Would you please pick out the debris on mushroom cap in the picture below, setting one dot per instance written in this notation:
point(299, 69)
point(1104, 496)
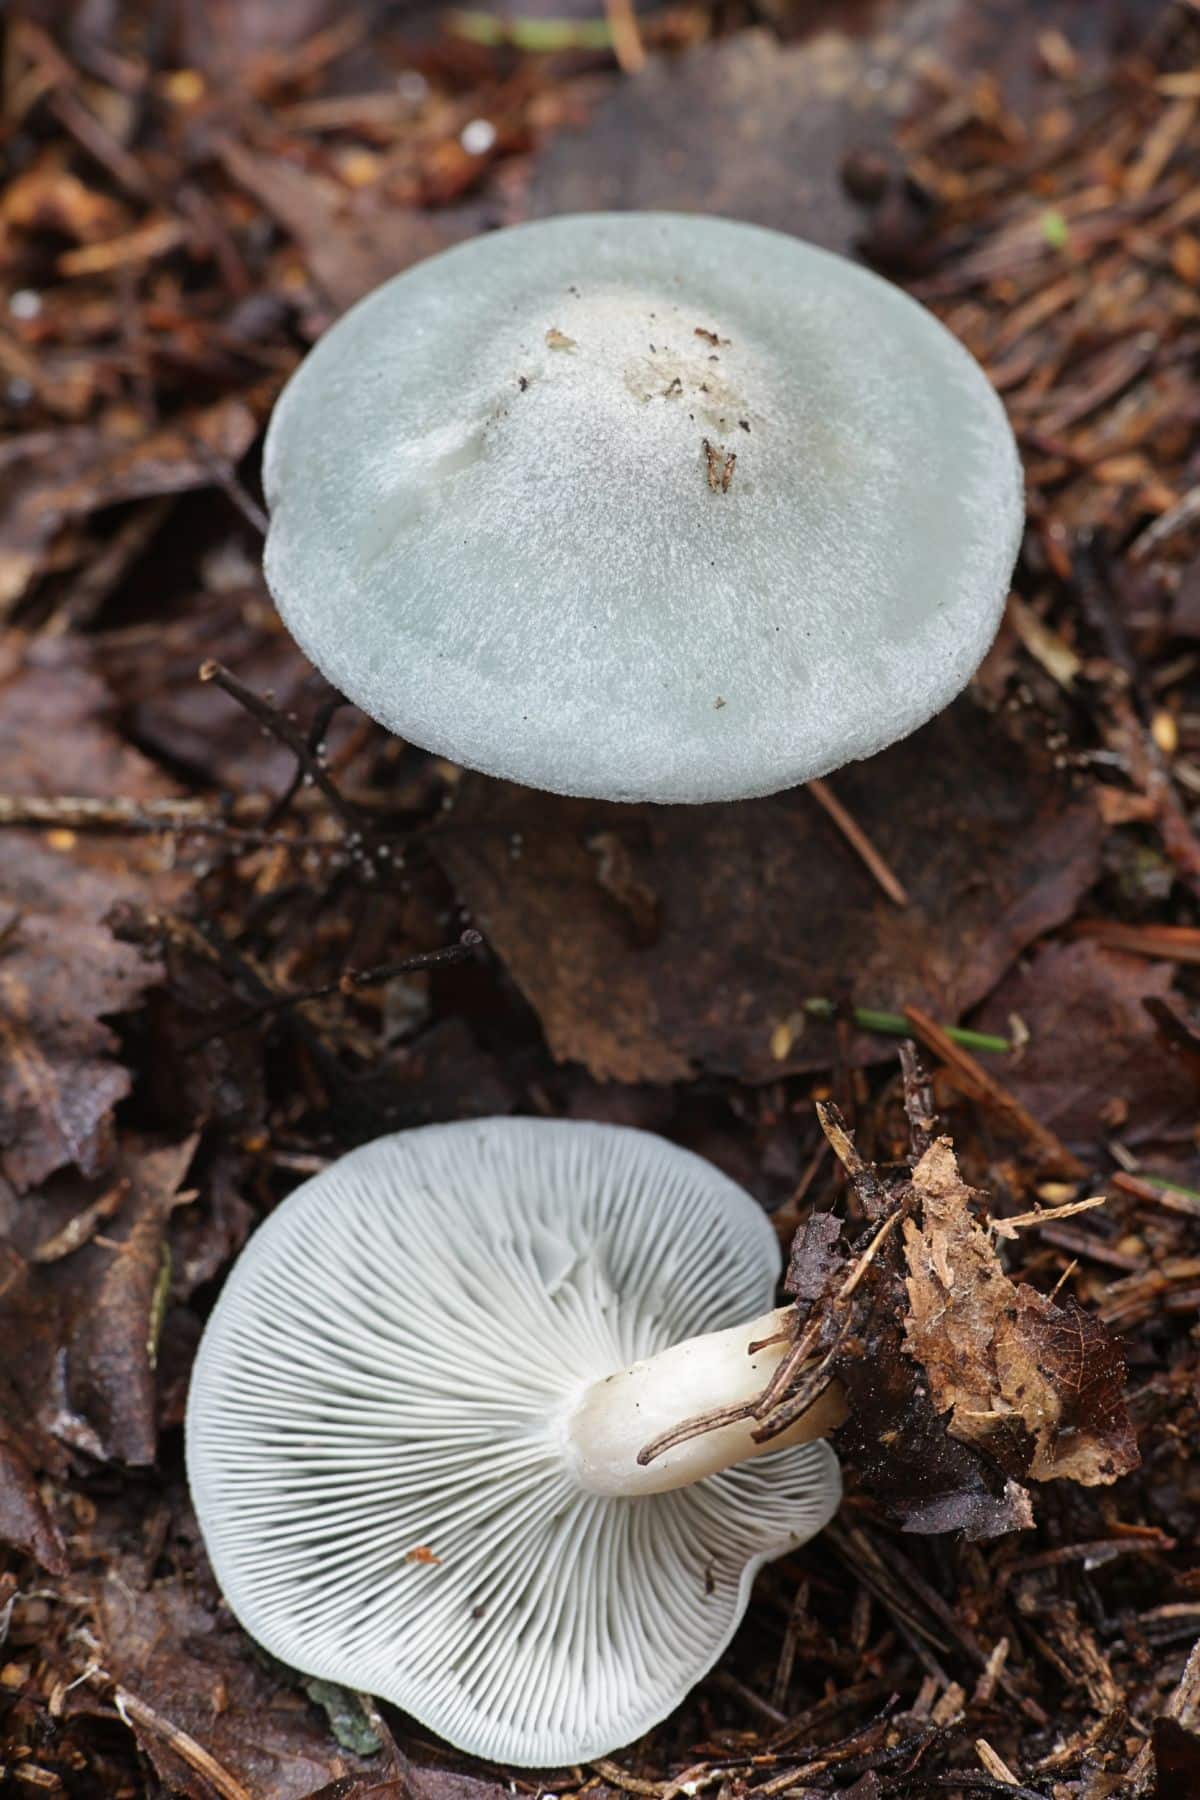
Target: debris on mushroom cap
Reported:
point(377, 1432)
point(541, 565)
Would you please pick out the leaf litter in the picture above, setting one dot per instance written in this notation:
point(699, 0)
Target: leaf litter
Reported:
point(220, 970)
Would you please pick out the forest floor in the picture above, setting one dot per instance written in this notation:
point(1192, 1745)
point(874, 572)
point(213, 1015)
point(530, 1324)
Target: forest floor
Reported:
point(187, 887)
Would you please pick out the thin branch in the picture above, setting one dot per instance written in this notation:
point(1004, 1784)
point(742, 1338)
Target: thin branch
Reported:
point(627, 44)
point(226, 478)
point(137, 1713)
point(346, 983)
point(985, 1087)
point(288, 733)
point(80, 812)
point(317, 733)
point(859, 842)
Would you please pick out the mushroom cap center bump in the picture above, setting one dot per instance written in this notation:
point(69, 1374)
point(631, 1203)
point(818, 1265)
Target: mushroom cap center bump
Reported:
point(643, 506)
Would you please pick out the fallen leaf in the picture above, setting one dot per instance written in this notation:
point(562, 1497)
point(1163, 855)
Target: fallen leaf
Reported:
point(61, 969)
point(740, 127)
point(169, 1642)
point(82, 1332)
point(1038, 1385)
point(901, 1449)
point(348, 251)
point(54, 478)
point(817, 1258)
point(25, 1523)
point(1076, 994)
point(112, 1349)
point(1176, 1761)
point(761, 905)
point(193, 723)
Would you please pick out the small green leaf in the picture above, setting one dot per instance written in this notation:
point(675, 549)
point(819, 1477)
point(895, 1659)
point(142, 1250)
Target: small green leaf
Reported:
point(1055, 229)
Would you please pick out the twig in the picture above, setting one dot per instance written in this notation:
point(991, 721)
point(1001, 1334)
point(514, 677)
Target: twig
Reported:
point(869, 1188)
point(317, 733)
point(1159, 1192)
point(1054, 1153)
point(136, 1712)
point(346, 983)
point(630, 1784)
point(1172, 943)
point(627, 44)
point(226, 479)
point(290, 734)
point(1009, 1227)
point(79, 812)
point(859, 842)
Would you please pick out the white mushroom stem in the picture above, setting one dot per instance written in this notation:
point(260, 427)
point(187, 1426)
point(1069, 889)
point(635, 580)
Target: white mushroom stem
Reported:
point(619, 1416)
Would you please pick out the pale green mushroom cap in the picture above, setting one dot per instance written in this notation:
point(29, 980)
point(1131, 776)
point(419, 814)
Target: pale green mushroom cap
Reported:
point(643, 506)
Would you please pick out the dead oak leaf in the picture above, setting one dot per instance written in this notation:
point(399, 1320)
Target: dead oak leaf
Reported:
point(1035, 1384)
point(81, 1332)
point(61, 969)
point(681, 956)
point(56, 478)
point(25, 1522)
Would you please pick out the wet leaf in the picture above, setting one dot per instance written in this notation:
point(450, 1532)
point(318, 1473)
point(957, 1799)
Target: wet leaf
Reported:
point(762, 904)
point(817, 1258)
point(191, 723)
point(112, 1349)
point(902, 1449)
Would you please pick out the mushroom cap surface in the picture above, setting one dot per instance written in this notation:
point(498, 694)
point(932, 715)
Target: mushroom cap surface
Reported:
point(377, 1432)
point(643, 507)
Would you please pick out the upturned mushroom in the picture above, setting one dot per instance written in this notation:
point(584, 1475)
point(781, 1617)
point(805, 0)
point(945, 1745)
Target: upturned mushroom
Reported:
point(414, 1429)
point(643, 507)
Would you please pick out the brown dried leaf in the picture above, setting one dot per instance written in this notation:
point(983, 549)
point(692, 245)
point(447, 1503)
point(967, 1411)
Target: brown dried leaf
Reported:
point(348, 251)
point(25, 1523)
point(61, 969)
point(112, 1348)
point(166, 1642)
point(1176, 1761)
point(761, 904)
point(1076, 994)
point(196, 725)
point(52, 478)
point(817, 1259)
point(740, 117)
point(1036, 1385)
point(83, 1331)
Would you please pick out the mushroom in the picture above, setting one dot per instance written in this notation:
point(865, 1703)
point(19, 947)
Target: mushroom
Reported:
point(642, 507)
point(416, 1415)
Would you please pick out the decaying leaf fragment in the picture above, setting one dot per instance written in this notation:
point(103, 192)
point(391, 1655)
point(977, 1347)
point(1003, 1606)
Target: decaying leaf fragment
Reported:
point(958, 1384)
point(1036, 1383)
